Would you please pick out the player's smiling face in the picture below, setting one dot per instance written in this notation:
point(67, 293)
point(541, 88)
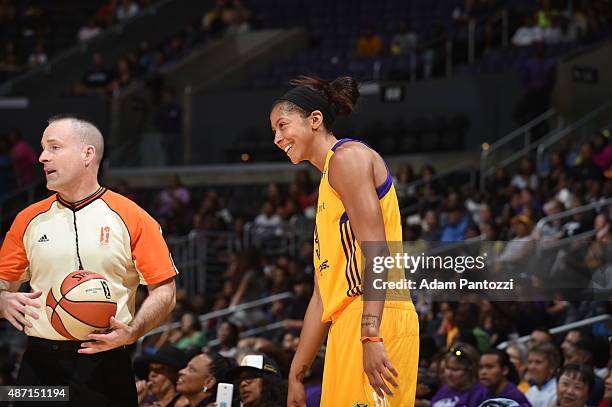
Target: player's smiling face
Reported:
point(292, 132)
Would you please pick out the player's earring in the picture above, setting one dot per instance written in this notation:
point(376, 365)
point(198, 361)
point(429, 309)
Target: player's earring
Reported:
point(205, 389)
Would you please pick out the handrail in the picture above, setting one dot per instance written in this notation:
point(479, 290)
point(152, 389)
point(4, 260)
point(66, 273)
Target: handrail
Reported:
point(254, 331)
point(571, 212)
point(554, 138)
point(455, 168)
point(522, 131)
point(216, 314)
point(560, 329)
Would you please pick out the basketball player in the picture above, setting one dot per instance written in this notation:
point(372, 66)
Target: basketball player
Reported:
point(83, 226)
point(372, 346)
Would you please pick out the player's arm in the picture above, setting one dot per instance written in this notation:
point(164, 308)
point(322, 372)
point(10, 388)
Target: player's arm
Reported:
point(351, 174)
point(311, 338)
point(153, 311)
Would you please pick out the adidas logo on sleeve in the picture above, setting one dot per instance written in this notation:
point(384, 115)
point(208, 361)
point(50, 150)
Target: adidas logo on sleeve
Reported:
point(43, 239)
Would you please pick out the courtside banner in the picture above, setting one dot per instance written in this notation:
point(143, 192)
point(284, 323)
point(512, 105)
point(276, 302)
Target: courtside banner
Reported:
point(516, 270)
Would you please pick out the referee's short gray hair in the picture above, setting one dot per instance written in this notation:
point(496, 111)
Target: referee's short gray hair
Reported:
point(85, 130)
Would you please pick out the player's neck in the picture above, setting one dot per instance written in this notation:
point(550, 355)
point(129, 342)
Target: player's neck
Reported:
point(500, 387)
point(81, 191)
point(320, 150)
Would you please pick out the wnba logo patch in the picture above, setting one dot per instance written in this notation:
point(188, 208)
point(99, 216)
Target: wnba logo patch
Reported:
point(104, 235)
point(360, 405)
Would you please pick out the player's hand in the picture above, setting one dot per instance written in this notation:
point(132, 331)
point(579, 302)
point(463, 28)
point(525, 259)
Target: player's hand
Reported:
point(296, 395)
point(378, 368)
point(15, 307)
point(121, 334)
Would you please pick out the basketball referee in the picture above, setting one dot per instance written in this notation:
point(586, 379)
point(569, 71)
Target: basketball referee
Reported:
point(84, 226)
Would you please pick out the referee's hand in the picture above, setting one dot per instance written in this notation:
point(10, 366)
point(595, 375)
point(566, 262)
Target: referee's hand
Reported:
point(15, 307)
point(121, 334)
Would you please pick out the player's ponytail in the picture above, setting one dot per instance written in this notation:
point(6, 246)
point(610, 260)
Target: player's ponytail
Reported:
point(342, 93)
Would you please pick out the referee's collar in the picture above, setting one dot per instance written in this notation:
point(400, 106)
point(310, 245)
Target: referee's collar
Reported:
point(75, 206)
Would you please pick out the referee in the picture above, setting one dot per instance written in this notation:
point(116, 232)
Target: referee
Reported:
point(83, 227)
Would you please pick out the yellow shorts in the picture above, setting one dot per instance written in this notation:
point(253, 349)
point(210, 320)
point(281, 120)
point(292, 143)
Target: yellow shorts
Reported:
point(345, 384)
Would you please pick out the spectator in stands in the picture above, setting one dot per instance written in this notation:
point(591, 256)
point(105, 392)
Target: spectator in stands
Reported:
point(404, 176)
point(461, 386)
point(107, 13)
point(212, 22)
point(538, 337)
point(171, 203)
point(602, 156)
point(607, 399)
point(405, 41)
point(574, 385)
point(517, 353)
point(520, 248)
point(466, 320)
point(551, 230)
point(127, 9)
point(456, 224)
point(89, 30)
point(198, 381)
point(268, 223)
point(526, 176)
point(581, 352)
point(237, 17)
point(96, 80)
point(499, 376)
point(7, 175)
point(259, 382)
point(369, 44)
point(170, 122)
point(542, 362)
point(227, 334)
point(123, 78)
point(190, 336)
point(38, 56)
point(8, 59)
point(585, 168)
point(161, 372)
point(430, 226)
point(527, 34)
point(24, 158)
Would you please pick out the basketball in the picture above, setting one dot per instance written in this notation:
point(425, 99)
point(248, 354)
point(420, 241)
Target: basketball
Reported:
point(81, 304)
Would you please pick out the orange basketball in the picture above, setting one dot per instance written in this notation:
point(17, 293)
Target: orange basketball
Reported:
point(83, 303)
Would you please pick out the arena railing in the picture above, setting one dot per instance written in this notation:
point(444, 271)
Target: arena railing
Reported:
point(218, 314)
point(594, 206)
point(561, 329)
point(200, 257)
point(579, 131)
point(453, 171)
point(518, 141)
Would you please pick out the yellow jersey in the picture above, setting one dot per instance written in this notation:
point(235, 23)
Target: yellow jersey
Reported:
point(337, 254)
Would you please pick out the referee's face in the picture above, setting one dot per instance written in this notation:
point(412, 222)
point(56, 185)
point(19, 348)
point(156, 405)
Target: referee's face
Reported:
point(62, 156)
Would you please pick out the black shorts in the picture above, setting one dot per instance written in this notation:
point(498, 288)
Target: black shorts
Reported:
point(101, 379)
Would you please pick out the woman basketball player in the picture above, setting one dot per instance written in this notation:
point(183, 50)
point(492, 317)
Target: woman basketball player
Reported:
point(372, 346)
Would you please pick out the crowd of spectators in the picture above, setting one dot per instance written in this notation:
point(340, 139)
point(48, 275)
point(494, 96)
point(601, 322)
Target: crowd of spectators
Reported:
point(29, 36)
point(18, 161)
point(459, 360)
